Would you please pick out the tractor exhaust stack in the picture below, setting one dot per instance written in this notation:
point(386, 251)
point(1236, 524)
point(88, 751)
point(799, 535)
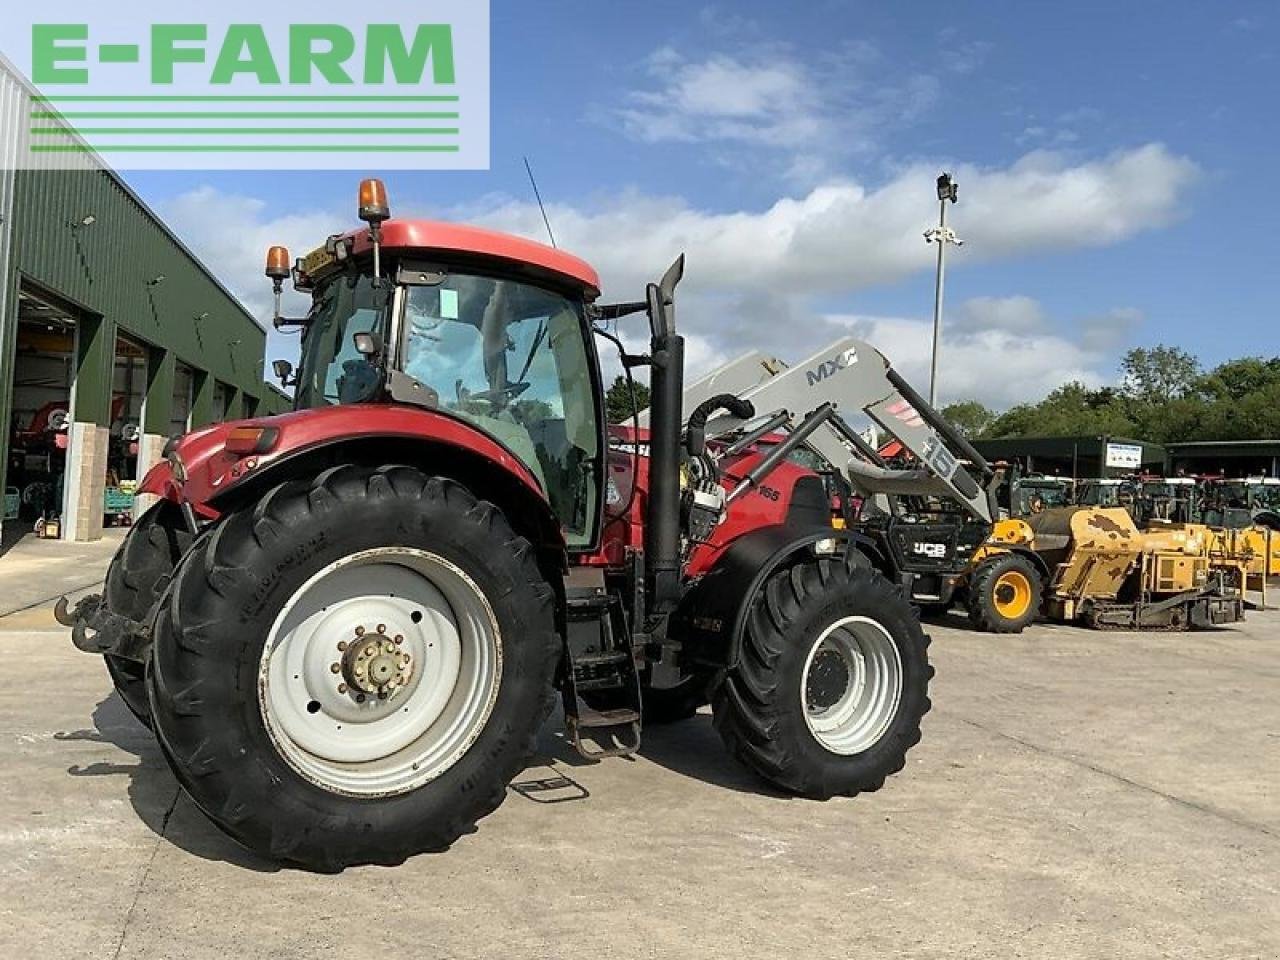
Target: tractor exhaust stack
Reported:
point(662, 532)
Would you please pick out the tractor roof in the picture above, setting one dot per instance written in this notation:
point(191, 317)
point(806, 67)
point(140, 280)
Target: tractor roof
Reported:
point(459, 238)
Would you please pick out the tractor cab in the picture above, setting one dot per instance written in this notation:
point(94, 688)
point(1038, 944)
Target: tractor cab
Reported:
point(1238, 504)
point(473, 325)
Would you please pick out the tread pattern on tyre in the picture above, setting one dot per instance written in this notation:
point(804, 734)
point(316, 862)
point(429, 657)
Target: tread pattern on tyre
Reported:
point(136, 579)
point(980, 600)
point(203, 681)
point(758, 710)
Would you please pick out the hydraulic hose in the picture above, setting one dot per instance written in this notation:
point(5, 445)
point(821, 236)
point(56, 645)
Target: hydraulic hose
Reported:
point(696, 431)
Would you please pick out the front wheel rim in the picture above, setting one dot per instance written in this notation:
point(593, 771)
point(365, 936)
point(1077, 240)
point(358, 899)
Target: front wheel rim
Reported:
point(852, 685)
point(380, 672)
point(1012, 593)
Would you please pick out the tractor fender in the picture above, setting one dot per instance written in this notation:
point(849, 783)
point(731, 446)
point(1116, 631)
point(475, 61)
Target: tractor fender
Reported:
point(463, 454)
point(712, 615)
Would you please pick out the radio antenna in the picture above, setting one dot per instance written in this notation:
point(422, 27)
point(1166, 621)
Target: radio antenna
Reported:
point(538, 196)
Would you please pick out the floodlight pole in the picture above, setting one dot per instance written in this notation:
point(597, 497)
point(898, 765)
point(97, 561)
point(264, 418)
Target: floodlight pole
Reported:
point(943, 236)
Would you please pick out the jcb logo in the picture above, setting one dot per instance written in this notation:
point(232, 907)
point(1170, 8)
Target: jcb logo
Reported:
point(935, 551)
point(828, 367)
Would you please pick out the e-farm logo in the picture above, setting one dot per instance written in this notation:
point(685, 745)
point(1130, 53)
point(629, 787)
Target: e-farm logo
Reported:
point(409, 89)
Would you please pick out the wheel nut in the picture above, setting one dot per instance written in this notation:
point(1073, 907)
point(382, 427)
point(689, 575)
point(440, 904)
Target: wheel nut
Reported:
point(335, 668)
point(342, 645)
point(342, 688)
point(382, 628)
point(360, 698)
point(359, 631)
point(399, 639)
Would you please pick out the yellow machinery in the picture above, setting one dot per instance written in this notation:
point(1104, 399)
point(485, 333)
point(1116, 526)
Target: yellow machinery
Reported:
point(1107, 573)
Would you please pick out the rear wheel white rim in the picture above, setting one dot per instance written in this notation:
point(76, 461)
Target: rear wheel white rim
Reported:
point(443, 668)
point(851, 685)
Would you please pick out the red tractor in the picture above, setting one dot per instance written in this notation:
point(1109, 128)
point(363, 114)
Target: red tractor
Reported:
point(346, 624)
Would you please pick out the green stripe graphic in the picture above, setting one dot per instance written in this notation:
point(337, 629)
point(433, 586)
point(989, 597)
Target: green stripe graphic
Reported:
point(224, 115)
point(266, 131)
point(264, 98)
point(243, 148)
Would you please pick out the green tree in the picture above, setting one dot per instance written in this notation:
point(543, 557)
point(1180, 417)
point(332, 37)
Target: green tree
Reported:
point(1237, 379)
point(1158, 374)
point(617, 399)
point(1071, 410)
point(969, 417)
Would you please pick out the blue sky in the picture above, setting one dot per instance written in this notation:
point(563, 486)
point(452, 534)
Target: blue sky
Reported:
point(1115, 163)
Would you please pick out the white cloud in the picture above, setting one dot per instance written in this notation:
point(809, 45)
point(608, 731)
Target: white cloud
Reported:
point(1016, 314)
point(1108, 330)
point(811, 109)
point(844, 236)
point(754, 277)
point(998, 367)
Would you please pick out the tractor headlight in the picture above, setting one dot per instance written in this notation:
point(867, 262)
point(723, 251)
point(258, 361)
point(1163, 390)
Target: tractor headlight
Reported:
point(824, 547)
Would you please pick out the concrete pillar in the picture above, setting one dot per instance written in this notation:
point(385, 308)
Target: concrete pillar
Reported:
point(149, 447)
point(85, 483)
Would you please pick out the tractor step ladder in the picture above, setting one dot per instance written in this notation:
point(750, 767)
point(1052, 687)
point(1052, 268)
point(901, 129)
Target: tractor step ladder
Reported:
point(599, 662)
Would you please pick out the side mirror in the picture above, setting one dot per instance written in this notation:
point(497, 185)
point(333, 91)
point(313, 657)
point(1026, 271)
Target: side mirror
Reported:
point(368, 345)
point(282, 369)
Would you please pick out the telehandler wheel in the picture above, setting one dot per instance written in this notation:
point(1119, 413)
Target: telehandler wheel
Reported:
point(136, 578)
point(1004, 594)
point(831, 684)
point(352, 670)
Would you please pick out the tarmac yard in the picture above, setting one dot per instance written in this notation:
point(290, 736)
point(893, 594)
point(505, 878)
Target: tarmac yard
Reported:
point(1076, 794)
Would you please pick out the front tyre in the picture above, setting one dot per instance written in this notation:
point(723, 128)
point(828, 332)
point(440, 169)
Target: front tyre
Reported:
point(831, 683)
point(353, 670)
point(1005, 593)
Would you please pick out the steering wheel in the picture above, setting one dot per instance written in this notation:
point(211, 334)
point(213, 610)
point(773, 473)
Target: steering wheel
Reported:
point(499, 398)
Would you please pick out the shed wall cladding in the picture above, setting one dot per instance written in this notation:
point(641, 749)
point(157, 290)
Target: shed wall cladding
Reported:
point(13, 98)
point(113, 269)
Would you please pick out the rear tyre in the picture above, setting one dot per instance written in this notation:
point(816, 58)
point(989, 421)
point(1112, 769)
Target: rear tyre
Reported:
point(138, 575)
point(353, 670)
point(1004, 594)
point(831, 683)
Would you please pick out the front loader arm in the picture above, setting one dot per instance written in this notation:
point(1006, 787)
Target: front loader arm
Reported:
point(852, 376)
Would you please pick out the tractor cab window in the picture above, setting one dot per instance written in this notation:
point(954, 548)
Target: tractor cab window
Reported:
point(333, 372)
point(511, 359)
point(1264, 496)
